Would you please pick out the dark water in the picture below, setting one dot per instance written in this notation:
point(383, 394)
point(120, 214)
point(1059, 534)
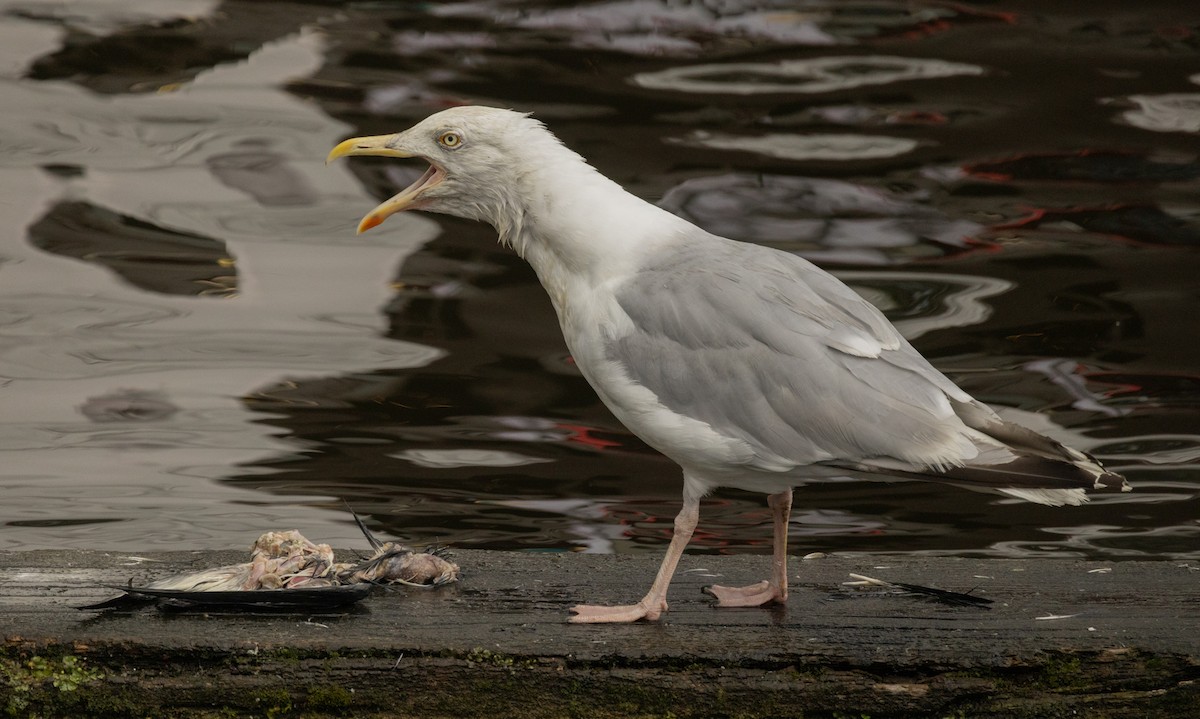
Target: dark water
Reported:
point(195, 347)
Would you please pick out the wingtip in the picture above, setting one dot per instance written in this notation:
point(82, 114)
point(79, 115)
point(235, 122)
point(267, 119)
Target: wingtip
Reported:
point(1108, 481)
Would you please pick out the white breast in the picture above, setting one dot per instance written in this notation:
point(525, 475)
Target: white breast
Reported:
point(591, 318)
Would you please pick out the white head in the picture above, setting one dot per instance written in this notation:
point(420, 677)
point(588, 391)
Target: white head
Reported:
point(479, 157)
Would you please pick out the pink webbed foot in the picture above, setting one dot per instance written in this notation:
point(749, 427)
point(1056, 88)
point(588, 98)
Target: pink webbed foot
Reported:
point(655, 602)
point(594, 614)
point(755, 595)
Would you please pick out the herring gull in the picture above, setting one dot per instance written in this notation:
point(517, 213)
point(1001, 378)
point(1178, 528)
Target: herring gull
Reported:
point(750, 367)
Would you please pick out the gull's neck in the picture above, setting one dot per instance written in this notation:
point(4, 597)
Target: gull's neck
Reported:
point(574, 225)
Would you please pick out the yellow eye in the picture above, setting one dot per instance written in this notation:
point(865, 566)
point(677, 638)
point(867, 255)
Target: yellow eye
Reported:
point(450, 139)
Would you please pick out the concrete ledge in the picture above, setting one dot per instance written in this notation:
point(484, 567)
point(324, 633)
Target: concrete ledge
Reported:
point(1127, 643)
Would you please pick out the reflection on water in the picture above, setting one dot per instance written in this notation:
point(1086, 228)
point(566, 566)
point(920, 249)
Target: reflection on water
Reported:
point(825, 220)
point(653, 27)
point(816, 75)
point(918, 303)
point(146, 255)
point(1177, 112)
point(194, 346)
point(806, 147)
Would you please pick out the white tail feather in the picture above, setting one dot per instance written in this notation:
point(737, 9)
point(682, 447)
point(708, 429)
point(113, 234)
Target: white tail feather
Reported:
point(1051, 497)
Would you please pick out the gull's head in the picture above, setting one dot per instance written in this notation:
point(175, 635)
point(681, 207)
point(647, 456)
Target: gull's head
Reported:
point(476, 155)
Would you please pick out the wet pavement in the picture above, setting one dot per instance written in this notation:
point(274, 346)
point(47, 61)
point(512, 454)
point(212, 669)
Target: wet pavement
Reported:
point(1060, 638)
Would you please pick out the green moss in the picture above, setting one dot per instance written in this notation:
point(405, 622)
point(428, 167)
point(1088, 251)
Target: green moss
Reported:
point(1063, 673)
point(1159, 666)
point(328, 697)
point(50, 681)
point(109, 700)
point(286, 655)
point(273, 702)
point(487, 657)
point(37, 684)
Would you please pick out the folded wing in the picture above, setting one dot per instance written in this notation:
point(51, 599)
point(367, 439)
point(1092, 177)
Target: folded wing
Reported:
point(766, 348)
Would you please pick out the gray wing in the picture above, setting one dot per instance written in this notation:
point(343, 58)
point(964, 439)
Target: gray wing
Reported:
point(767, 348)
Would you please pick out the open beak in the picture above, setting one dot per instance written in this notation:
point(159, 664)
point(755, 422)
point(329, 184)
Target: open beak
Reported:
point(406, 199)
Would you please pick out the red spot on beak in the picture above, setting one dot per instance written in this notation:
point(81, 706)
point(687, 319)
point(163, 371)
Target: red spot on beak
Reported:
point(368, 222)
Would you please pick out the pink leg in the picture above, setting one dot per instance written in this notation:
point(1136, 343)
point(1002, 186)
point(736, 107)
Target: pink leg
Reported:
point(774, 589)
point(655, 602)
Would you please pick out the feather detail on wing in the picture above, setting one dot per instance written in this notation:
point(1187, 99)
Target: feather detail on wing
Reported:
point(1016, 461)
point(770, 350)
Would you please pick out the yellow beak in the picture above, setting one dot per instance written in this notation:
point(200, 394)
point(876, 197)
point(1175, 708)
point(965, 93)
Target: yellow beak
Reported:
point(374, 145)
point(378, 145)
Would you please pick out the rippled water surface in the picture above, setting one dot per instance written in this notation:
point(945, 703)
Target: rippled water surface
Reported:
point(195, 346)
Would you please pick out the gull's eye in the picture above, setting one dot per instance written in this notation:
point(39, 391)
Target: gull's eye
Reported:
point(450, 139)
